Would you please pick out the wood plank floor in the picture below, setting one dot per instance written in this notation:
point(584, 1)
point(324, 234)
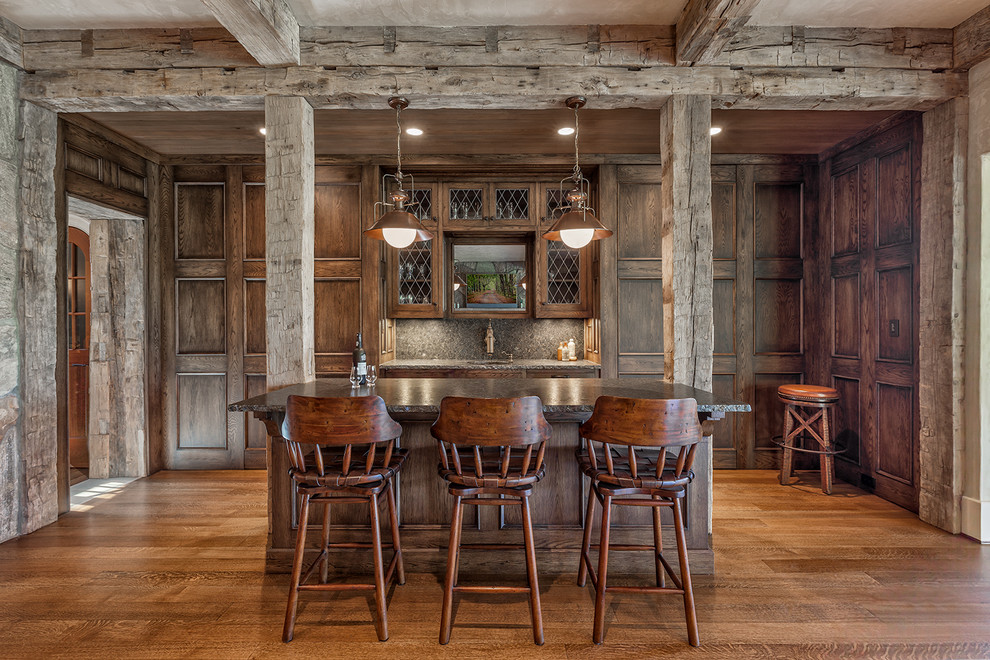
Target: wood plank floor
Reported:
point(172, 566)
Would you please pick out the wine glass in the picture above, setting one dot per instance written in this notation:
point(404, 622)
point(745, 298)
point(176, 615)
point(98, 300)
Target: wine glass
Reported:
point(372, 375)
point(354, 377)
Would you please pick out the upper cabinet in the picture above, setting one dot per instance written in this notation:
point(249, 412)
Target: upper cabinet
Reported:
point(415, 272)
point(563, 273)
point(499, 206)
point(556, 279)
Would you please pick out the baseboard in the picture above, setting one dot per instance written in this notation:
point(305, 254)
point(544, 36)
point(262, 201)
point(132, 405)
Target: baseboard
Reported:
point(976, 519)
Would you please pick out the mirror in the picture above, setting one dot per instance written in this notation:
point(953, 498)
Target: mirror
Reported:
point(489, 278)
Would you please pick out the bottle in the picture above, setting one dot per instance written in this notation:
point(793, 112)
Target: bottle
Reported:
point(571, 350)
point(560, 351)
point(360, 361)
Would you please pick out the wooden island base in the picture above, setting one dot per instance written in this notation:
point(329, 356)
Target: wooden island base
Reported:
point(558, 501)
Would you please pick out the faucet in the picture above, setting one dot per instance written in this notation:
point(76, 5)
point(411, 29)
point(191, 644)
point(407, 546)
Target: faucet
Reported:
point(489, 340)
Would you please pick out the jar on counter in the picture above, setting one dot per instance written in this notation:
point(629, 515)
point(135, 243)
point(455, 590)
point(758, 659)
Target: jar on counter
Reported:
point(571, 350)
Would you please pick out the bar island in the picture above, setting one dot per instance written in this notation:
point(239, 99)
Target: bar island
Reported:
point(424, 505)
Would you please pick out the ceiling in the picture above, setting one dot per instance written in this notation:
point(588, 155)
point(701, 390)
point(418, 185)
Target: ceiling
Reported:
point(193, 13)
point(628, 131)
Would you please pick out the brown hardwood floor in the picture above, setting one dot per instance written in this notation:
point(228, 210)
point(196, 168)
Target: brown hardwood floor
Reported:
point(173, 567)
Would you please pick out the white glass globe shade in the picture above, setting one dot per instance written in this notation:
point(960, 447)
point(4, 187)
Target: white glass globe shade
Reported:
point(400, 238)
point(575, 238)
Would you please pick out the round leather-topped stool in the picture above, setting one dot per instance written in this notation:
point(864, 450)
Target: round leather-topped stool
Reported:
point(806, 410)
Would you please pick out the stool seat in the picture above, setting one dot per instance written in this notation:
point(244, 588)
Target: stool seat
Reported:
point(808, 393)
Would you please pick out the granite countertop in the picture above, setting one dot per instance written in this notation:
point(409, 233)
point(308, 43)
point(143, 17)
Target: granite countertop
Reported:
point(563, 398)
point(482, 364)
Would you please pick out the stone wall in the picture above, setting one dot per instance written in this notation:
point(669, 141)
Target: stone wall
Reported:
point(464, 339)
point(10, 473)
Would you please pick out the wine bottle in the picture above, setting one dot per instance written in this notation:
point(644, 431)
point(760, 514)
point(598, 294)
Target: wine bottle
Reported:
point(360, 360)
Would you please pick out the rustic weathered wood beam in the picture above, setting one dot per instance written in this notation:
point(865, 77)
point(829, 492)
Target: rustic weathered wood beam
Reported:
point(289, 240)
point(266, 28)
point(788, 46)
point(38, 317)
point(492, 87)
point(972, 40)
point(942, 324)
point(706, 26)
point(11, 50)
point(686, 240)
point(133, 49)
point(567, 45)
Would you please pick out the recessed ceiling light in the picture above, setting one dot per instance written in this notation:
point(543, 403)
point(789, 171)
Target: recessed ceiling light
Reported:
point(414, 131)
point(263, 130)
point(566, 130)
point(715, 130)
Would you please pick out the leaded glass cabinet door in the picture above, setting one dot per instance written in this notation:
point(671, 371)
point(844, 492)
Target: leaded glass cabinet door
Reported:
point(465, 205)
point(415, 271)
point(564, 271)
point(512, 206)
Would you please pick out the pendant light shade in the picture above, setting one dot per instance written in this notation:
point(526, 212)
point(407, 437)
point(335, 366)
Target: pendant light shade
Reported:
point(397, 226)
point(578, 226)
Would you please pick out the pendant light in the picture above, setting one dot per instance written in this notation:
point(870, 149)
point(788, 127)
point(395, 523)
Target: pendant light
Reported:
point(578, 226)
point(397, 226)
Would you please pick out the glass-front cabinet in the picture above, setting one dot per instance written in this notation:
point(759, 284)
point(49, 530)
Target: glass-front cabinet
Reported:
point(564, 274)
point(542, 279)
point(488, 205)
point(416, 289)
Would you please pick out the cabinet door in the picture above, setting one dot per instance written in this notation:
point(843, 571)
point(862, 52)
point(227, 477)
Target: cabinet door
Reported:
point(563, 273)
point(513, 206)
point(465, 205)
point(415, 271)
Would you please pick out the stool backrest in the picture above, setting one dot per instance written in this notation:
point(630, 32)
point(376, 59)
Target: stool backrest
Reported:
point(466, 425)
point(364, 422)
point(662, 424)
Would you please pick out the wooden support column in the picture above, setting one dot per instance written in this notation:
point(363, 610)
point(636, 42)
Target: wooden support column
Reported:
point(38, 311)
point(289, 202)
point(941, 310)
point(686, 190)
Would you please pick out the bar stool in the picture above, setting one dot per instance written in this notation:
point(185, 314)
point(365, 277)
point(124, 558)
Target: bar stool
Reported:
point(819, 401)
point(487, 457)
point(343, 437)
point(624, 471)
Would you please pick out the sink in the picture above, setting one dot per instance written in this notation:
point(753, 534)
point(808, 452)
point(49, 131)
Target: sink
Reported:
point(489, 362)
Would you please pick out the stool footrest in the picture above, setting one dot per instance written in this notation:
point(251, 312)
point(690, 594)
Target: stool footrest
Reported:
point(835, 451)
point(491, 590)
point(490, 546)
point(643, 590)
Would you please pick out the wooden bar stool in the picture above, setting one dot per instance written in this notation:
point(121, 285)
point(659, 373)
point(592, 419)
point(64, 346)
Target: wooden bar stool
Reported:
point(819, 401)
point(645, 451)
point(487, 457)
point(342, 451)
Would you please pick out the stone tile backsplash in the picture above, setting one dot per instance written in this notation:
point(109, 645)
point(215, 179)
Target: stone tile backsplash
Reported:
point(464, 339)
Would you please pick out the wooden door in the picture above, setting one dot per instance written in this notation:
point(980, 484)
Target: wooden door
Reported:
point(872, 209)
point(77, 328)
point(760, 218)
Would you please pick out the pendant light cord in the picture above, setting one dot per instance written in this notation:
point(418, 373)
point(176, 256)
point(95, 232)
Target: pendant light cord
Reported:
point(577, 132)
point(398, 145)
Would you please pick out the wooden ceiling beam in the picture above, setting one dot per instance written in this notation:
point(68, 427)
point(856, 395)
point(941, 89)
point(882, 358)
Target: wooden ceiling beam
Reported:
point(706, 26)
point(266, 28)
point(492, 87)
point(972, 40)
point(569, 45)
point(11, 50)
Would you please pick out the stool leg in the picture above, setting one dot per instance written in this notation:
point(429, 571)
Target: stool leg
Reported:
point(598, 636)
point(586, 545)
point(534, 583)
point(785, 462)
point(446, 619)
point(393, 519)
point(297, 562)
point(682, 558)
point(325, 565)
point(381, 622)
point(827, 464)
point(658, 544)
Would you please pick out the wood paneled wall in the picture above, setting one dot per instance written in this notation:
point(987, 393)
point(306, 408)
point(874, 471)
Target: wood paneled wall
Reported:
point(216, 347)
point(871, 208)
point(761, 215)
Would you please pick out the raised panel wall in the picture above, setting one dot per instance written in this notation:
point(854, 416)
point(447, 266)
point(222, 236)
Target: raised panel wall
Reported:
point(872, 208)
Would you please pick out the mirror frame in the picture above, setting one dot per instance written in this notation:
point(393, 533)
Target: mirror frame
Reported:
point(454, 238)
